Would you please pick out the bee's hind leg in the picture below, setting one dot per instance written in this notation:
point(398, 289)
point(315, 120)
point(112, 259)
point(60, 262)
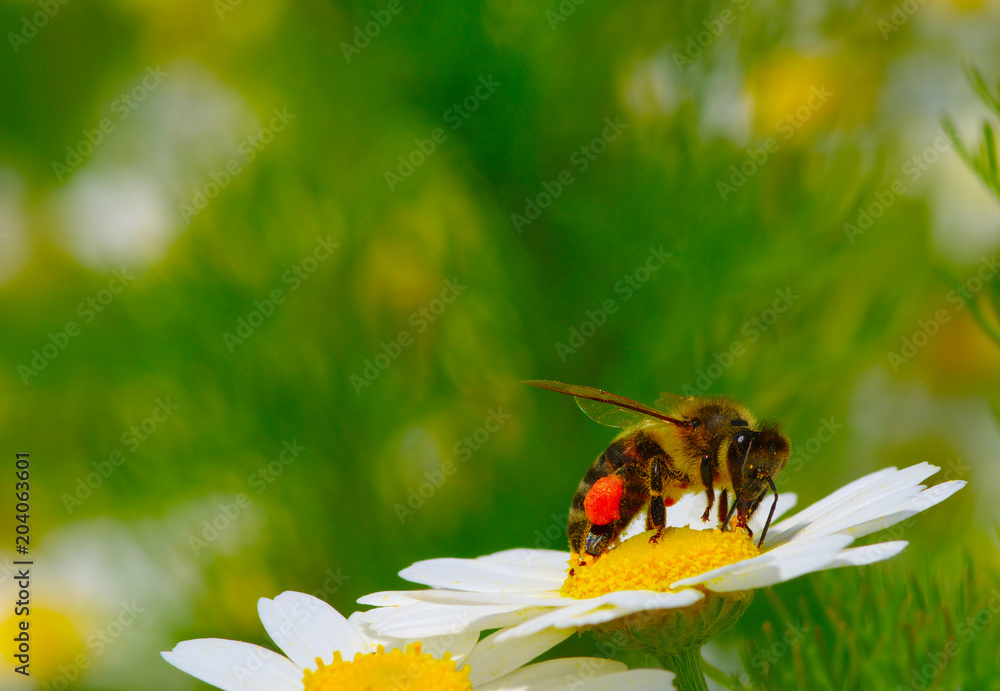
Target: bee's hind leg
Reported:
point(598, 539)
point(657, 517)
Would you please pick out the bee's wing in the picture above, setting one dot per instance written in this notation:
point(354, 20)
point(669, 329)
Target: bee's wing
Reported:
point(668, 401)
point(607, 408)
point(610, 414)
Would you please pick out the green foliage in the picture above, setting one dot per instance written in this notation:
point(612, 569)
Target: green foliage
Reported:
point(982, 159)
point(884, 627)
point(372, 492)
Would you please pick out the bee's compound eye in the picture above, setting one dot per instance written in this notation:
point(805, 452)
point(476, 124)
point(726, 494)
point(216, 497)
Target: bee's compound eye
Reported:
point(696, 422)
point(741, 442)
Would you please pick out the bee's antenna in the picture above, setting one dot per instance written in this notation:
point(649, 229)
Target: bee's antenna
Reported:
point(769, 515)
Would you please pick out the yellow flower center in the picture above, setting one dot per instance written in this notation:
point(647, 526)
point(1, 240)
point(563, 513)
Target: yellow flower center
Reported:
point(382, 671)
point(642, 564)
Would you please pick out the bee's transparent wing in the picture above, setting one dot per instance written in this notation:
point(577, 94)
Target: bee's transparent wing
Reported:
point(610, 414)
point(606, 408)
point(668, 401)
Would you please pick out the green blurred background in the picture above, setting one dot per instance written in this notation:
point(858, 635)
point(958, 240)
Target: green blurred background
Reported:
point(490, 227)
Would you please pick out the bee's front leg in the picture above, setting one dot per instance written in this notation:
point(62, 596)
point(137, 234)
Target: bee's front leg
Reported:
point(657, 517)
point(723, 507)
point(707, 478)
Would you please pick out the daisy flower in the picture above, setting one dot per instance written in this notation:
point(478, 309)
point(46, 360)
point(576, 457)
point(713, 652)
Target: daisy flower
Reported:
point(667, 596)
point(324, 651)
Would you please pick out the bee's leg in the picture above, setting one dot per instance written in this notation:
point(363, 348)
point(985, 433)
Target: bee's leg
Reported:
point(723, 506)
point(707, 478)
point(598, 539)
point(657, 517)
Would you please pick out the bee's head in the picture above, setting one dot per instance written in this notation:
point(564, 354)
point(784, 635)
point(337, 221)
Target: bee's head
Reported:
point(754, 457)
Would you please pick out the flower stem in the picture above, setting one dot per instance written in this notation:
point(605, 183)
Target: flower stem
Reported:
point(686, 665)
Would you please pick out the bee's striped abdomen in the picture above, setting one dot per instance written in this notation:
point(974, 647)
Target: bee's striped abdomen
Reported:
point(619, 454)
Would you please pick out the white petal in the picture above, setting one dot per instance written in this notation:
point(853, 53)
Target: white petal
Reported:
point(853, 512)
point(547, 675)
point(808, 514)
point(305, 627)
point(483, 575)
point(869, 554)
point(551, 598)
point(426, 619)
point(388, 598)
point(874, 487)
point(372, 639)
point(792, 550)
point(625, 602)
point(917, 504)
point(798, 558)
point(636, 526)
point(786, 501)
point(459, 644)
point(597, 610)
point(492, 658)
point(235, 666)
point(537, 558)
point(687, 512)
point(638, 679)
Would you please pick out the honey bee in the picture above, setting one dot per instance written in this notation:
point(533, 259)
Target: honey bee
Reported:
point(702, 444)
